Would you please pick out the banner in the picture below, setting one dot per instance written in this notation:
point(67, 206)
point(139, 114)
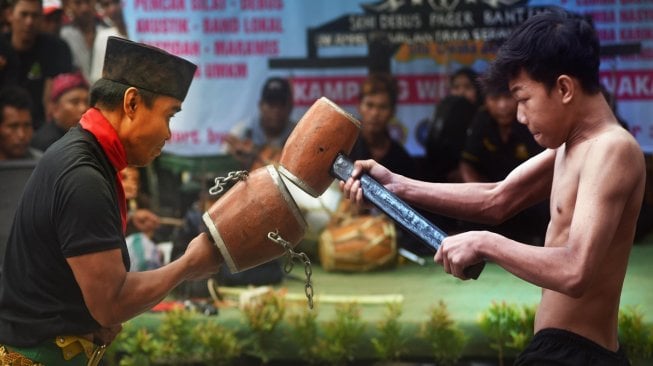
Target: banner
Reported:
point(322, 46)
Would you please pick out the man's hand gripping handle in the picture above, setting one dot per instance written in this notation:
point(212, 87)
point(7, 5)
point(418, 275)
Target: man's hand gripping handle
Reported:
point(398, 210)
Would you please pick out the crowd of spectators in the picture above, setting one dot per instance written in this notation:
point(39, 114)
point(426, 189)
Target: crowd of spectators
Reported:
point(41, 39)
point(51, 52)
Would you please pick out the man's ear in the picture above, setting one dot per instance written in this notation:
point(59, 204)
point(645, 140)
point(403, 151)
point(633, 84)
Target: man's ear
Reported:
point(130, 101)
point(566, 88)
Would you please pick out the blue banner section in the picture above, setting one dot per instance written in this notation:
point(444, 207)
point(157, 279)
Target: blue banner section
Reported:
point(322, 47)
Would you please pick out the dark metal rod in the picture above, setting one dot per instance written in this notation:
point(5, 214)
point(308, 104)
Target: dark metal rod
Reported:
point(398, 210)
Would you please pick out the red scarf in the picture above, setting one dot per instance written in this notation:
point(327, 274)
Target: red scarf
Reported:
point(94, 122)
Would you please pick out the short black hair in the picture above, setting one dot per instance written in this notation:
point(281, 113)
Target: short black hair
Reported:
point(380, 82)
point(109, 94)
point(14, 96)
point(547, 45)
point(473, 76)
point(277, 90)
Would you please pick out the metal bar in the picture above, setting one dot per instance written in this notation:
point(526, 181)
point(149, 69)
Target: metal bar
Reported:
point(398, 210)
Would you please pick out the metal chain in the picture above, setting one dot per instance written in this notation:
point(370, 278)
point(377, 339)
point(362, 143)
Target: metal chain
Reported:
point(288, 266)
point(221, 182)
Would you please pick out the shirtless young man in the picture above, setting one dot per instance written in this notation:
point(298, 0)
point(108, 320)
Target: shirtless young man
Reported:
point(592, 172)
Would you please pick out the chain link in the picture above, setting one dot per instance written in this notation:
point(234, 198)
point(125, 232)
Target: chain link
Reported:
point(221, 182)
point(288, 266)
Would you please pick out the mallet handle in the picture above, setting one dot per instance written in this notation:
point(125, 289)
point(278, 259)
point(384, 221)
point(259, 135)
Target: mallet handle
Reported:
point(398, 210)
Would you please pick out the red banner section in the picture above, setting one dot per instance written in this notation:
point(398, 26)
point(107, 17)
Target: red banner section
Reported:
point(423, 89)
point(345, 90)
point(630, 84)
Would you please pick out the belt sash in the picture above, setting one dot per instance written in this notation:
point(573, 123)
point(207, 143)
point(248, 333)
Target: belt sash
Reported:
point(69, 350)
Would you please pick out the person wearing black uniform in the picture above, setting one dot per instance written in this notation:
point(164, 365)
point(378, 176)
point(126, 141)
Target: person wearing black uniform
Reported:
point(497, 144)
point(376, 108)
point(66, 288)
point(41, 56)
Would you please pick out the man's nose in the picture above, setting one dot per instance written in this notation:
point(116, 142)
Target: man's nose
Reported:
point(521, 117)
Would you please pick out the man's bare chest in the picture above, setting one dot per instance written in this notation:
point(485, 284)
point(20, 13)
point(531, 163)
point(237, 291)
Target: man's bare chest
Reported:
point(564, 190)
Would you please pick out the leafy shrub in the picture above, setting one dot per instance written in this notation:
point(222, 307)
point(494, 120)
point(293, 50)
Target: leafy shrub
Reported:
point(217, 344)
point(176, 335)
point(136, 346)
point(304, 333)
point(447, 341)
point(341, 336)
point(263, 316)
point(634, 335)
point(508, 326)
point(389, 345)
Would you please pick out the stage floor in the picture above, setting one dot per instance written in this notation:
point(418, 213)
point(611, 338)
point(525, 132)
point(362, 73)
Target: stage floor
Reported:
point(421, 288)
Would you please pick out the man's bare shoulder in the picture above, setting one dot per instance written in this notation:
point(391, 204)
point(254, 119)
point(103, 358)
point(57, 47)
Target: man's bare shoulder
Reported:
point(620, 143)
point(613, 154)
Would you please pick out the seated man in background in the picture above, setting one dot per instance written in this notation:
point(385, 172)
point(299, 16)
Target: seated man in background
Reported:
point(69, 101)
point(496, 144)
point(376, 108)
point(140, 218)
point(16, 129)
point(464, 83)
point(446, 131)
point(258, 141)
point(141, 225)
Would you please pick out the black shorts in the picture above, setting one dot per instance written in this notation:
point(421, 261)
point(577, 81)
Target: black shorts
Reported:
point(561, 347)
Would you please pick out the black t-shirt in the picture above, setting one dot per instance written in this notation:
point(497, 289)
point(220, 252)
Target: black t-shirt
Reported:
point(9, 69)
point(397, 159)
point(492, 157)
point(49, 57)
point(446, 136)
point(69, 208)
point(47, 135)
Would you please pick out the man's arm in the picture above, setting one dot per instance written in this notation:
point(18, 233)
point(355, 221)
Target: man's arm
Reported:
point(598, 216)
point(490, 203)
point(114, 295)
point(610, 186)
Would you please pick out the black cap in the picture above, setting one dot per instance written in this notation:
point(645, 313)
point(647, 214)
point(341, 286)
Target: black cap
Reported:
point(276, 90)
point(147, 67)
